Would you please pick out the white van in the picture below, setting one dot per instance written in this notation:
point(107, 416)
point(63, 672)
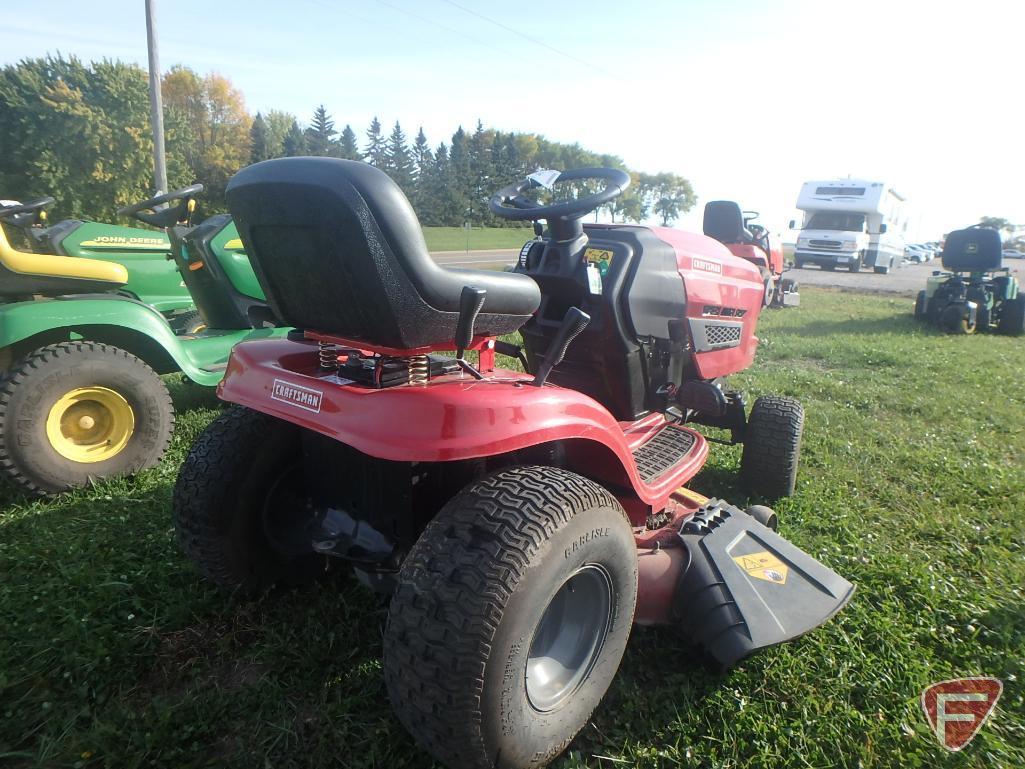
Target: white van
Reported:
point(850, 223)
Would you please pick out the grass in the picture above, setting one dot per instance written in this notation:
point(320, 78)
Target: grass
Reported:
point(476, 239)
point(113, 653)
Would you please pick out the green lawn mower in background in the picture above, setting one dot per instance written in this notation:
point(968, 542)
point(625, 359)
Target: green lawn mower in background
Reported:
point(976, 292)
point(152, 276)
point(80, 393)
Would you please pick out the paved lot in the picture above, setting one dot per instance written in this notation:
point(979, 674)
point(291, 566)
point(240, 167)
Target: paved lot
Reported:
point(905, 280)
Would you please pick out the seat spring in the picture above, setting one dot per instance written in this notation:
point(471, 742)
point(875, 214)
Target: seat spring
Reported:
point(419, 370)
point(328, 354)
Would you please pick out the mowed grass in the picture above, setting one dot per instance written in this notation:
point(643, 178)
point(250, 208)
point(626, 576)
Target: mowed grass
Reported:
point(476, 238)
point(113, 653)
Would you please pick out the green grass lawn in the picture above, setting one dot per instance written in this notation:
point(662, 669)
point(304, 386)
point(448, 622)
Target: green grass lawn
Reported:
point(113, 653)
point(479, 238)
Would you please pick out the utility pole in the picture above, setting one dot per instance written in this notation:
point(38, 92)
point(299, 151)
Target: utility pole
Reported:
point(156, 103)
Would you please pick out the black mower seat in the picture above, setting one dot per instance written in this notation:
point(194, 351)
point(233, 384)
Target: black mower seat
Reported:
point(975, 249)
point(724, 221)
point(25, 274)
point(338, 249)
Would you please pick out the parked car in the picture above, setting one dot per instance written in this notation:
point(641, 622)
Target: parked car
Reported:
point(1013, 253)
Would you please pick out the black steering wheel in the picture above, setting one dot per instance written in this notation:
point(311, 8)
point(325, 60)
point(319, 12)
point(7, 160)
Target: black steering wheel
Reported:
point(24, 214)
point(511, 203)
point(147, 210)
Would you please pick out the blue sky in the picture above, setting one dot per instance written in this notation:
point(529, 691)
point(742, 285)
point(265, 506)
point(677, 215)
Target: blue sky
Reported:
point(745, 98)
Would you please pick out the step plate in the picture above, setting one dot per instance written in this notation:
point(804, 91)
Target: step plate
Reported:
point(663, 452)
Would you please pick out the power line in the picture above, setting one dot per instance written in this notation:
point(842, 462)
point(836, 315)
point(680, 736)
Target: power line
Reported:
point(433, 23)
point(529, 38)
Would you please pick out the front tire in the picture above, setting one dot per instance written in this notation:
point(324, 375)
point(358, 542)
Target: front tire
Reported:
point(77, 411)
point(525, 567)
point(238, 501)
point(772, 446)
point(921, 303)
point(855, 266)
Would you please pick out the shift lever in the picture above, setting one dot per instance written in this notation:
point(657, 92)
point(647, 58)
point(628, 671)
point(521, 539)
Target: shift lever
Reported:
point(471, 300)
point(573, 322)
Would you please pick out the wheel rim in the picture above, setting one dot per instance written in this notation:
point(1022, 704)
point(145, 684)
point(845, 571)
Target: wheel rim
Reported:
point(90, 424)
point(569, 637)
point(286, 514)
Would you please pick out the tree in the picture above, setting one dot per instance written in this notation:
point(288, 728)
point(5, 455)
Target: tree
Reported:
point(667, 195)
point(347, 147)
point(376, 152)
point(398, 162)
point(294, 144)
point(997, 223)
point(318, 135)
point(218, 123)
point(81, 133)
point(278, 124)
point(442, 205)
point(258, 140)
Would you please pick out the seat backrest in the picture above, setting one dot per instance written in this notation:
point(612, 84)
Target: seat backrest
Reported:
point(724, 221)
point(337, 248)
point(975, 249)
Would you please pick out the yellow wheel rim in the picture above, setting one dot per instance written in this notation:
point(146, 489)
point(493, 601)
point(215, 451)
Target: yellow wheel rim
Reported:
point(90, 424)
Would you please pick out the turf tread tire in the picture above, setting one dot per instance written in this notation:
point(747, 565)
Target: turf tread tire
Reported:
point(213, 485)
point(35, 363)
point(772, 446)
point(453, 592)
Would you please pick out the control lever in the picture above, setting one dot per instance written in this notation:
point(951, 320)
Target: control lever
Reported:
point(573, 322)
point(471, 300)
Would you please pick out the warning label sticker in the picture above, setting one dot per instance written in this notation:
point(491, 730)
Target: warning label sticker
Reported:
point(763, 565)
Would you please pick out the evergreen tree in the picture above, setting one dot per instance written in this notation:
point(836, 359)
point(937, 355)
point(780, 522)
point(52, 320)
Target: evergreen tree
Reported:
point(318, 135)
point(258, 140)
point(294, 144)
point(442, 205)
point(376, 152)
point(459, 172)
point(399, 164)
point(422, 158)
point(347, 147)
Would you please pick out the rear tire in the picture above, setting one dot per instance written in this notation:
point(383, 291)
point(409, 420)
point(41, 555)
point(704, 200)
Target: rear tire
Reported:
point(77, 411)
point(1012, 317)
point(881, 270)
point(481, 603)
point(244, 468)
point(772, 446)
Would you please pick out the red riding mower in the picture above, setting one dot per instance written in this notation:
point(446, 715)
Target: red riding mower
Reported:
point(737, 230)
point(519, 522)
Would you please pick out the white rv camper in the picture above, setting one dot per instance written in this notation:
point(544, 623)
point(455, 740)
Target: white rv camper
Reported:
point(850, 223)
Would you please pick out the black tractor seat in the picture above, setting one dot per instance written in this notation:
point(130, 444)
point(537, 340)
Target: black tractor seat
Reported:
point(724, 221)
point(338, 249)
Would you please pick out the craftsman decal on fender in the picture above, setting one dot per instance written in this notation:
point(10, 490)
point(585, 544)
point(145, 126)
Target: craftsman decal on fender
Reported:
point(297, 395)
point(705, 265)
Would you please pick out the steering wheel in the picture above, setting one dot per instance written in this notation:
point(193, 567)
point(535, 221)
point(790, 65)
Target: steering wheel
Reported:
point(510, 202)
point(167, 197)
point(20, 210)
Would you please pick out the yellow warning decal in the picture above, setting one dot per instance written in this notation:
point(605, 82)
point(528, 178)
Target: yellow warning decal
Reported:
point(235, 244)
point(763, 565)
point(599, 257)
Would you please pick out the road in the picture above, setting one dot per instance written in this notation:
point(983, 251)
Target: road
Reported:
point(905, 280)
point(499, 258)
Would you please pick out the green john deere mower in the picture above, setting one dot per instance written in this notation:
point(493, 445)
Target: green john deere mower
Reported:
point(80, 393)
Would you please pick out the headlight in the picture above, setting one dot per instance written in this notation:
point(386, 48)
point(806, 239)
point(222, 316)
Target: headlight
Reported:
point(849, 246)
